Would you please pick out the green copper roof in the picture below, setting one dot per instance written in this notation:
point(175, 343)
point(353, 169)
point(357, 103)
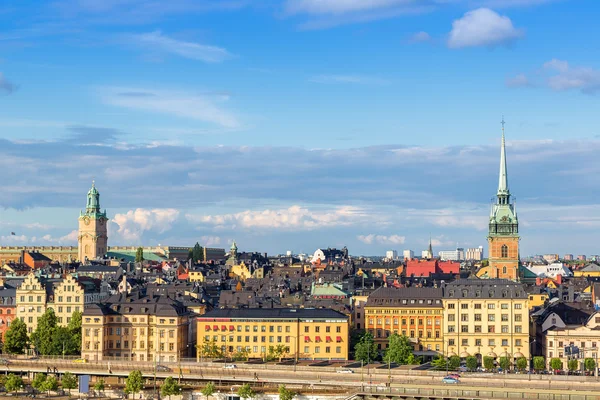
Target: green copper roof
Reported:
point(92, 208)
point(129, 256)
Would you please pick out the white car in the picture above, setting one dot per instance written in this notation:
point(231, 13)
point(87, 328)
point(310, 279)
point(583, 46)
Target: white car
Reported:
point(230, 366)
point(345, 371)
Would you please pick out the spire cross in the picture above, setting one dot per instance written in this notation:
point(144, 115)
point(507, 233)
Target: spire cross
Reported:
point(502, 122)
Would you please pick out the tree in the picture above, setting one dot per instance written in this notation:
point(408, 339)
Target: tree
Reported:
point(439, 362)
point(210, 349)
point(504, 363)
point(38, 382)
point(589, 364)
point(471, 362)
point(488, 363)
point(197, 253)
point(134, 382)
point(453, 362)
point(521, 363)
point(366, 349)
point(42, 336)
point(246, 392)
point(139, 255)
point(277, 352)
point(208, 390)
point(399, 350)
point(573, 365)
point(15, 340)
point(65, 342)
point(539, 363)
point(285, 393)
point(556, 364)
point(13, 383)
point(69, 381)
point(51, 384)
point(170, 387)
point(241, 355)
point(99, 385)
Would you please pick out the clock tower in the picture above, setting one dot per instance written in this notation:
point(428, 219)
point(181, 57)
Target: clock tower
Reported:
point(92, 228)
point(503, 236)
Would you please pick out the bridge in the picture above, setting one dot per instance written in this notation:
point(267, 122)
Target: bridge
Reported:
point(364, 383)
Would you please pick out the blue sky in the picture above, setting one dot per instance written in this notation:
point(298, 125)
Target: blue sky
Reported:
point(297, 124)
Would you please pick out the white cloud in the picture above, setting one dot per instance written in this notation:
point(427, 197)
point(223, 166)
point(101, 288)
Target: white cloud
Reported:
point(350, 79)
point(519, 80)
point(294, 217)
point(134, 223)
point(420, 37)
point(157, 42)
point(210, 241)
point(566, 77)
point(381, 239)
point(202, 107)
point(482, 27)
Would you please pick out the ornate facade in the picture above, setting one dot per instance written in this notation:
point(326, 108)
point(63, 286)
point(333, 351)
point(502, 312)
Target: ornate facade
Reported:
point(93, 236)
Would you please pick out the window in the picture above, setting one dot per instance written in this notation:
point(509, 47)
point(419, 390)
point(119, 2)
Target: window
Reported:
point(504, 328)
point(464, 317)
point(504, 251)
point(477, 328)
point(518, 329)
point(317, 329)
point(491, 306)
point(450, 317)
point(518, 317)
point(465, 342)
point(450, 342)
point(306, 349)
point(504, 306)
point(491, 317)
point(477, 342)
point(518, 342)
point(491, 342)
point(317, 349)
point(477, 317)
point(338, 349)
point(504, 342)
point(450, 328)
point(464, 328)
point(306, 329)
point(327, 349)
point(451, 306)
point(504, 317)
point(478, 306)
point(519, 305)
point(464, 306)
point(491, 329)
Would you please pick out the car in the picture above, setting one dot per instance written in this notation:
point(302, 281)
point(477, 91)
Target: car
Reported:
point(450, 380)
point(230, 366)
point(80, 361)
point(345, 371)
point(163, 368)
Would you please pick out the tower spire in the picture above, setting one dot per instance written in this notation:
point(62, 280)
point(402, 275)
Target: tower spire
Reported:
point(503, 178)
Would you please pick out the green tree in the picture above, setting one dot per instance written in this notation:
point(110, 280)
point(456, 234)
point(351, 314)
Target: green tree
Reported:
point(285, 393)
point(366, 349)
point(51, 384)
point(488, 363)
point(197, 253)
point(74, 328)
point(99, 385)
point(453, 362)
point(246, 392)
point(210, 349)
point(38, 382)
point(471, 362)
point(439, 362)
point(43, 334)
point(504, 363)
point(539, 363)
point(589, 364)
point(241, 355)
point(277, 352)
point(69, 381)
point(208, 390)
point(573, 365)
point(15, 340)
point(399, 350)
point(521, 363)
point(134, 382)
point(13, 383)
point(556, 364)
point(65, 343)
point(485, 263)
point(139, 255)
point(170, 387)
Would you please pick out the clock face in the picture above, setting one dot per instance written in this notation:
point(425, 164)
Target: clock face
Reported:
point(86, 221)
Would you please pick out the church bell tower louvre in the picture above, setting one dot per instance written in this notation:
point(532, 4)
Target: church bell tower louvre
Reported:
point(92, 238)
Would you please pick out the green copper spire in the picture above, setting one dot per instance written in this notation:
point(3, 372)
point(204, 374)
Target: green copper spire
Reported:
point(503, 192)
point(92, 208)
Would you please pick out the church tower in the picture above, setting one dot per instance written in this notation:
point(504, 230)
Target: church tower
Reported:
point(503, 237)
point(92, 228)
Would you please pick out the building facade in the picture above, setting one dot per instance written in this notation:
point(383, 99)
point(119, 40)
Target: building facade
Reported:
point(474, 254)
point(585, 340)
point(452, 255)
point(415, 312)
point(408, 254)
point(68, 297)
point(486, 318)
point(31, 301)
point(311, 334)
point(93, 236)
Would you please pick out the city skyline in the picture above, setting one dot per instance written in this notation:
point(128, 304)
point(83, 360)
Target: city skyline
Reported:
point(198, 128)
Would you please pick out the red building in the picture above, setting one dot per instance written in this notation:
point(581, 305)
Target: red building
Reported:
point(8, 309)
point(35, 260)
point(427, 268)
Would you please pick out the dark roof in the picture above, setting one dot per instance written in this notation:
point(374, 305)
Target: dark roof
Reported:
point(38, 256)
point(389, 296)
point(484, 289)
point(137, 303)
point(97, 268)
point(274, 313)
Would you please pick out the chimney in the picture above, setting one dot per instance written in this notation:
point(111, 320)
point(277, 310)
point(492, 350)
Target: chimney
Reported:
point(538, 281)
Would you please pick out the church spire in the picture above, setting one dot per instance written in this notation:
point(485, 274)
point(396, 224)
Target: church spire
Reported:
point(503, 178)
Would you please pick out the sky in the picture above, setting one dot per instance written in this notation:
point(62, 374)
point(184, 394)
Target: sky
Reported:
point(300, 124)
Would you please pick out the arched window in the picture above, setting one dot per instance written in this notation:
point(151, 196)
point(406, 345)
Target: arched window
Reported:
point(87, 248)
point(504, 251)
point(504, 270)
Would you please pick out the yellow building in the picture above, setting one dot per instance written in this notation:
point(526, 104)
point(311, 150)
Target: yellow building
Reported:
point(486, 318)
point(31, 301)
point(414, 312)
point(68, 298)
point(195, 276)
point(590, 270)
point(537, 299)
point(313, 334)
point(585, 338)
point(136, 327)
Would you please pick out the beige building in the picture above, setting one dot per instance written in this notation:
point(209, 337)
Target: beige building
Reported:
point(585, 338)
point(68, 297)
point(31, 301)
point(93, 237)
point(136, 327)
point(486, 318)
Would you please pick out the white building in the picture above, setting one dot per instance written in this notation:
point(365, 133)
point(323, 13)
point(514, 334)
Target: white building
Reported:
point(408, 254)
point(452, 255)
point(474, 254)
point(391, 255)
point(551, 270)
